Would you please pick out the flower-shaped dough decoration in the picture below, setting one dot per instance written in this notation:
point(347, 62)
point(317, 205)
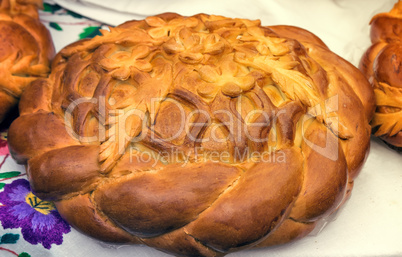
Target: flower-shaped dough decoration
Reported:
point(218, 77)
point(121, 62)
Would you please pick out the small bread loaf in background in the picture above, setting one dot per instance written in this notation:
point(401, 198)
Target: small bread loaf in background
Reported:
point(26, 49)
point(382, 65)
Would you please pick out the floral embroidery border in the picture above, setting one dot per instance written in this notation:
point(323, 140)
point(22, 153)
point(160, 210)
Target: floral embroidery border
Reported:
point(39, 221)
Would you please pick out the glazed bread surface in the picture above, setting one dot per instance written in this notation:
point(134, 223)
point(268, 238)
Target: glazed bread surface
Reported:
point(198, 136)
point(382, 65)
point(25, 52)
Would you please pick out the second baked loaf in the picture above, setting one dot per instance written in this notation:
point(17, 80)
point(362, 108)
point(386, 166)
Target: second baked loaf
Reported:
point(26, 49)
point(382, 65)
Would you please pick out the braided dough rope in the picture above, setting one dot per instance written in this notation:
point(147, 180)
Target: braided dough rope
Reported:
point(198, 136)
point(381, 64)
point(25, 52)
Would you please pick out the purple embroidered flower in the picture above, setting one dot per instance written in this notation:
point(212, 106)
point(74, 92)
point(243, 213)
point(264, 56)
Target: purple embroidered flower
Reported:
point(39, 221)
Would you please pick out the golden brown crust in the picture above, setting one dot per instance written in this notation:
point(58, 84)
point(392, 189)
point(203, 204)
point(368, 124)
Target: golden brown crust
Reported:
point(382, 66)
point(198, 136)
point(79, 168)
point(25, 52)
point(82, 213)
point(288, 231)
point(28, 7)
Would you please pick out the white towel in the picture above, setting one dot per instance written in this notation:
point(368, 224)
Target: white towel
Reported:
point(341, 24)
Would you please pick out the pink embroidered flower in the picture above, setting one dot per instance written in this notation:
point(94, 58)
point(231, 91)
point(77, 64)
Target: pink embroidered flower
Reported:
point(3, 143)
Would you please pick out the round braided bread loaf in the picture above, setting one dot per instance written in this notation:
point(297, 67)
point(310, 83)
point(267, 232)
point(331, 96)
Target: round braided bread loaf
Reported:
point(26, 49)
point(382, 65)
point(197, 135)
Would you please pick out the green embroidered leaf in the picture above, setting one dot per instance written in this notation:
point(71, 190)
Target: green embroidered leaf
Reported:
point(51, 7)
point(74, 14)
point(90, 32)
point(9, 174)
point(9, 238)
point(2, 185)
point(55, 26)
point(24, 254)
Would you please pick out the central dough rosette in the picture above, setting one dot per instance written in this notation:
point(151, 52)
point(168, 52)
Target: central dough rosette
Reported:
point(196, 135)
